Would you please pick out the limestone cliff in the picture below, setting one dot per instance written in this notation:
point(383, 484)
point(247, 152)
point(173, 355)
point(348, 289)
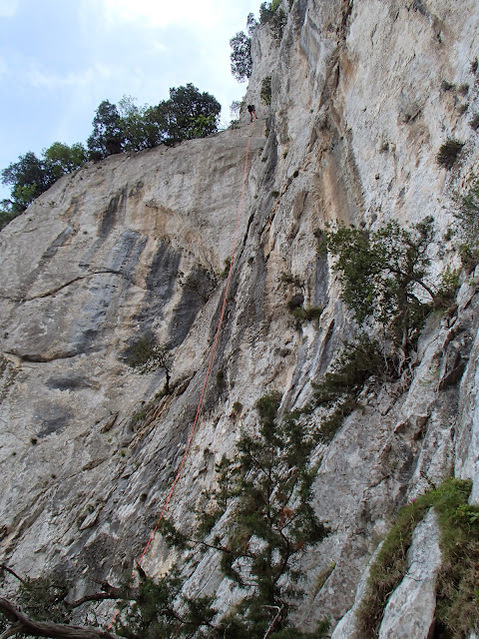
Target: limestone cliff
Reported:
point(364, 92)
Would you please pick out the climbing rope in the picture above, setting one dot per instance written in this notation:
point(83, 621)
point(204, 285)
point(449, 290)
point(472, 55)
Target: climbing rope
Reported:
point(208, 370)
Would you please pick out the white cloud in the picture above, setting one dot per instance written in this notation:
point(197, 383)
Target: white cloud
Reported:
point(41, 79)
point(151, 13)
point(8, 8)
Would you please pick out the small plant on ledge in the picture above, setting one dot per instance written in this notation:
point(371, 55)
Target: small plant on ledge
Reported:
point(449, 152)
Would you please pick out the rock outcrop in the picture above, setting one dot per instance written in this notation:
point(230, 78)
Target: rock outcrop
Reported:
point(363, 94)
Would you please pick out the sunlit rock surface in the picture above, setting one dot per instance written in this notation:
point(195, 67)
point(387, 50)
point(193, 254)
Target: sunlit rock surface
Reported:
point(137, 245)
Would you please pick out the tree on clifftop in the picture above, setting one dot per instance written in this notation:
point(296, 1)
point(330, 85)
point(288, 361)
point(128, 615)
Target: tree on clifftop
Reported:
point(107, 137)
point(189, 114)
point(241, 60)
point(28, 178)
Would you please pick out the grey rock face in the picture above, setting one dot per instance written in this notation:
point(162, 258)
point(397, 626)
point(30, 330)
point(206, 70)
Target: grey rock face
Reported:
point(136, 245)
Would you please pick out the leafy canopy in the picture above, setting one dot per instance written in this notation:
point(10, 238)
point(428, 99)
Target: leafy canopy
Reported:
point(266, 490)
point(146, 355)
point(186, 115)
point(240, 57)
point(385, 275)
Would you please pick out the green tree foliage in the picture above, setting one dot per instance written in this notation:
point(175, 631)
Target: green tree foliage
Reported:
point(142, 127)
point(43, 598)
point(107, 136)
point(240, 57)
point(384, 275)
point(186, 115)
point(272, 14)
point(158, 610)
point(266, 489)
point(31, 176)
point(190, 114)
point(147, 356)
point(7, 213)
point(28, 178)
point(60, 159)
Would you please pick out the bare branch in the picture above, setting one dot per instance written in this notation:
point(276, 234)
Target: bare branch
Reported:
point(23, 623)
point(108, 592)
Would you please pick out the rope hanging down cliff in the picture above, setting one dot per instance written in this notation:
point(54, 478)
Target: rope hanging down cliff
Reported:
point(210, 361)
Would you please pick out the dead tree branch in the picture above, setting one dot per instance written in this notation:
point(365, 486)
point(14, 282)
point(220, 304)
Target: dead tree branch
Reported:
point(21, 623)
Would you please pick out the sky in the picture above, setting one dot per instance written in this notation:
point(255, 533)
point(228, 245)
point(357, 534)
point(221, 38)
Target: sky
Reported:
point(60, 58)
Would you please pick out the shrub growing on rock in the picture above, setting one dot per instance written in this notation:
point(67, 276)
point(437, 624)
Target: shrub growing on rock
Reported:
point(449, 152)
point(457, 609)
point(147, 356)
point(384, 276)
point(266, 489)
point(467, 217)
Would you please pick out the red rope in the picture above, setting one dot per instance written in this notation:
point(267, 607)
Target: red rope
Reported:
point(208, 370)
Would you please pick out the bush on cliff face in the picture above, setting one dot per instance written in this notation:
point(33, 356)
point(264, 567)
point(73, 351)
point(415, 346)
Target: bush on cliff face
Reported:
point(449, 152)
point(457, 607)
point(147, 356)
point(360, 361)
point(468, 222)
point(266, 90)
point(266, 490)
point(384, 276)
point(272, 14)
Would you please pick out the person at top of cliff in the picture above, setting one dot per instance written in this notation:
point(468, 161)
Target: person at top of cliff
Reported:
point(252, 112)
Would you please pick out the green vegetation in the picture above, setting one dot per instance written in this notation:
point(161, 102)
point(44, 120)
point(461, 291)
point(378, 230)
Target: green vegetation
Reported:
point(359, 361)
point(385, 282)
point(272, 14)
point(187, 114)
point(151, 611)
point(241, 60)
point(385, 276)
point(266, 489)
point(467, 217)
point(147, 356)
point(266, 90)
point(240, 57)
point(307, 313)
point(31, 176)
point(457, 609)
point(43, 598)
point(449, 152)
point(297, 308)
point(7, 214)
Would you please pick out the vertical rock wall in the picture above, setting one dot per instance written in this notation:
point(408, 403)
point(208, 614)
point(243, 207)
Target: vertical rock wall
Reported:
point(361, 102)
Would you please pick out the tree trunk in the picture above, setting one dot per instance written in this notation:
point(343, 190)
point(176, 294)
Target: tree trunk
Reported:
point(21, 623)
